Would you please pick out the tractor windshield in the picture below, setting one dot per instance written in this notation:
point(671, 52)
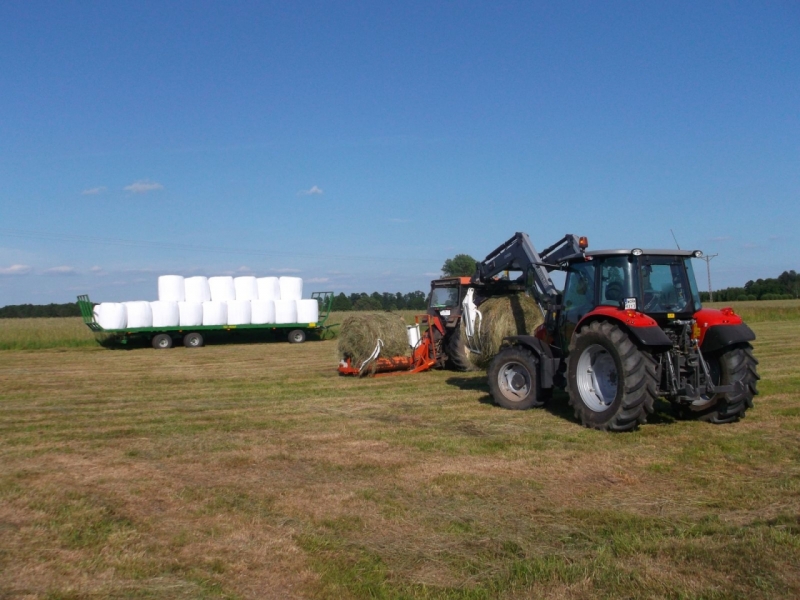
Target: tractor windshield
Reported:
point(665, 286)
point(444, 297)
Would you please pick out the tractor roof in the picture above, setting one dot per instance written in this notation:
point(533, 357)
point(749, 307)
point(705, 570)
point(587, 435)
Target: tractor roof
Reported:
point(644, 252)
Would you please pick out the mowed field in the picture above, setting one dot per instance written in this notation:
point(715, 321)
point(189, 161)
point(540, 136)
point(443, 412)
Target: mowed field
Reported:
point(254, 471)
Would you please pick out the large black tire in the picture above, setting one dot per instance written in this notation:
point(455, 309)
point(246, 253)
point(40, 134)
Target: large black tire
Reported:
point(732, 364)
point(457, 351)
point(514, 379)
point(612, 383)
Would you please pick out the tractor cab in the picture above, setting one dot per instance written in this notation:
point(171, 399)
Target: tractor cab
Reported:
point(656, 283)
point(445, 298)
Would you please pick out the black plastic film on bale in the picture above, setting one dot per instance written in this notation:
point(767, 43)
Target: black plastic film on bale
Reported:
point(516, 314)
point(359, 334)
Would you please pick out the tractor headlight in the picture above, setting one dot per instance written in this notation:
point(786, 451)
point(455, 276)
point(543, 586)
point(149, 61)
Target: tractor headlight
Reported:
point(636, 251)
point(697, 254)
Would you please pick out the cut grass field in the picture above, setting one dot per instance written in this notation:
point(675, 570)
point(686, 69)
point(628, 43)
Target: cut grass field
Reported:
point(254, 471)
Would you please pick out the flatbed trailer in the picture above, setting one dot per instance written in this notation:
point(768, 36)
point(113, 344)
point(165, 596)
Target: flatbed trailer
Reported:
point(162, 338)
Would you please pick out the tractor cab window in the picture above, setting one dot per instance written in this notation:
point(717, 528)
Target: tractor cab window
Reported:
point(444, 297)
point(579, 290)
point(693, 284)
point(665, 287)
point(615, 280)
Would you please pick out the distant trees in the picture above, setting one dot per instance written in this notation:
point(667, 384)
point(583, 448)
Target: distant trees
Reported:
point(24, 311)
point(461, 265)
point(785, 287)
point(377, 301)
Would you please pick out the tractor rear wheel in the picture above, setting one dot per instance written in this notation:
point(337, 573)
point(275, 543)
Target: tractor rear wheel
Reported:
point(612, 383)
point(514, 379)
point(729, 366)
point(457, 351)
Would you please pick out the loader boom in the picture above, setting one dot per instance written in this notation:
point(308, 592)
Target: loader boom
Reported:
point(518, 254)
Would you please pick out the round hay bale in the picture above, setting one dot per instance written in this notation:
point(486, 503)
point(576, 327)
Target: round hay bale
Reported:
point(516, 314)
point(360, 332)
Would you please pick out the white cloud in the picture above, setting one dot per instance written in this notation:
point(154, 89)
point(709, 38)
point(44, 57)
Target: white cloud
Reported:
point(144, 186)
point(312, 192)
point(94, 191)
point(62, 270)
point(317, 280)
point(244, 269)
point(97, 270)
point(15, 270)
point(284, 270)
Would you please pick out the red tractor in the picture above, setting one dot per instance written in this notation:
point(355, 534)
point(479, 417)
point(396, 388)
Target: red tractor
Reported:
point(627, 328)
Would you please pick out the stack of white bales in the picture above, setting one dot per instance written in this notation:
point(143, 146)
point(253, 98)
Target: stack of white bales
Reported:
point(214, 301)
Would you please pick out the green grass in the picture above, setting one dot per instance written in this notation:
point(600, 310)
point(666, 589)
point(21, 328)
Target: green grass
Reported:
point(763, 310)
point(37, 334)
point(245, 471)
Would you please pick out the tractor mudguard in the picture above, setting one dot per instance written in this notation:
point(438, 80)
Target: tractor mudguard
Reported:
point(651, 336)
point(548, 365)
point(721, 336)
point(643, 328)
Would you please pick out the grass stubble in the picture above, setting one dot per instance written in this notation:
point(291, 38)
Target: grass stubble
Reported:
point(254, 471)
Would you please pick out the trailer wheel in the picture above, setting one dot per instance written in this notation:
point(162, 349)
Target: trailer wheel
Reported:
point(297, 336)
point(733, 364)
point(193, 340)
point(162, 341)
point(514, 380)
point(612, 383)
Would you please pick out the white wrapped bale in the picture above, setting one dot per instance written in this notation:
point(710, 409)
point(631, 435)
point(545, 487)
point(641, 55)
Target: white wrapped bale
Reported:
point(222, 288)
point(171, 288)
point(111, 315)
point(246, 288)
point(197, 289)
point(262, 312)
point(191, 313)
point(165, 313)
point(215, 313)
point(239, 312)
point(139, 314)
point(291, 288)
point(307, 311)
point(269, 288)
point(285, 311)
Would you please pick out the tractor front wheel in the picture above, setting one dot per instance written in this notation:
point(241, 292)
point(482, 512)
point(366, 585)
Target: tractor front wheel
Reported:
point(514, 379)
point(732, 365)
point(612, 383)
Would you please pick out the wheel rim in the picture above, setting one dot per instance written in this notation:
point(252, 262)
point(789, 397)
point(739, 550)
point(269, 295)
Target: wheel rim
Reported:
point(163, 343)
point(597, 378)
point(514, 381)
point(194, 341)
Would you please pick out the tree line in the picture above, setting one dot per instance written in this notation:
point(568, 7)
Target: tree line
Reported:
point(784, 287)
point(25, 311)
point(377, 301)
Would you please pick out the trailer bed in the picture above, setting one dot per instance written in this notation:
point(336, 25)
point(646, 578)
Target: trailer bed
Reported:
point(164, 337)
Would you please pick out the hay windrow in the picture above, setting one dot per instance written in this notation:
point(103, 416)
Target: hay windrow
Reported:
point(359, 333)
point(517, 314)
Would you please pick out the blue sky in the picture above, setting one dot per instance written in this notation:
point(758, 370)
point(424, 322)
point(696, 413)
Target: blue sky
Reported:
point(360, 144)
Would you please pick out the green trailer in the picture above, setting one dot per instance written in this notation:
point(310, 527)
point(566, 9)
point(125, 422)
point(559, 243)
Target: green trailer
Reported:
point(193, 337)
